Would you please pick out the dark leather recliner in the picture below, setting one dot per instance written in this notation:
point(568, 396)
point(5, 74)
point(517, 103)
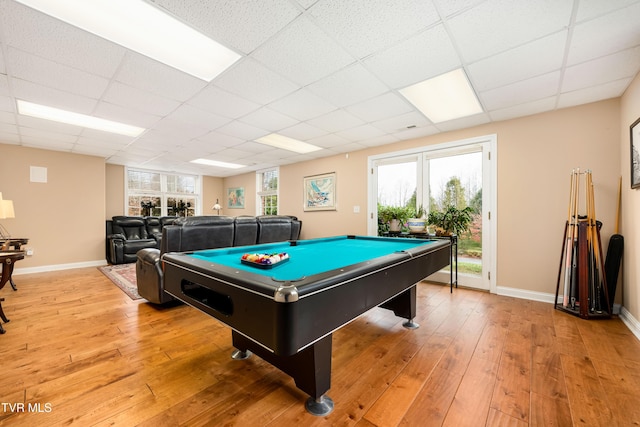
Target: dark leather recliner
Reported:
point(207, 232)
point(156, 224)
point(127, 235)
point(186, 234)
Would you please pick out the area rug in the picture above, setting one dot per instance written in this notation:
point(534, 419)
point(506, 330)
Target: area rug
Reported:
point(124, 277)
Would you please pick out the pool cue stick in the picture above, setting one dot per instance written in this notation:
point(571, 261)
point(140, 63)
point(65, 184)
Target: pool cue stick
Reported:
point(590, 240)
point(575, 276)
point(568, 245)
point(599, 260)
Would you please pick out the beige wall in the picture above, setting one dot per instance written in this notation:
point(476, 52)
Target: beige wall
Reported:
point(64, 217)
point(535, 157)
point(630, 226)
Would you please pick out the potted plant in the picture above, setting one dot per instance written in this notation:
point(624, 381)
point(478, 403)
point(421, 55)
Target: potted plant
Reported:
point(452, 220)
point(395, 216)
point(417, 223)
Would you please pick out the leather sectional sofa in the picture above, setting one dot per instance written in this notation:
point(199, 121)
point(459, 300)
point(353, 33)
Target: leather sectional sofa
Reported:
point(207, 232)
point(126, 235)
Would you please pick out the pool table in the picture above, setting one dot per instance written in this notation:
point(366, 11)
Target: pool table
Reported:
point(286, 313)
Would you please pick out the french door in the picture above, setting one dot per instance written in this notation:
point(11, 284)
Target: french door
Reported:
point(460, 173)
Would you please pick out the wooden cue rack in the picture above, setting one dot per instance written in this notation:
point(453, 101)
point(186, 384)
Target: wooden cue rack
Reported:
point(581, 275)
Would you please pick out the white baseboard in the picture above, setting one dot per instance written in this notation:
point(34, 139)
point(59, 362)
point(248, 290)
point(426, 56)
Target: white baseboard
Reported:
point(545, 297)
point(631, 322)
point(58, 267)
point(524, 294)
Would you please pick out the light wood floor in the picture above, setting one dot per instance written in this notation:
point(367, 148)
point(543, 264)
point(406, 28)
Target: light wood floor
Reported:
point(83, 353)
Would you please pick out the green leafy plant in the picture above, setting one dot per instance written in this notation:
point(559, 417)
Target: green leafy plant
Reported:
point(451, 220)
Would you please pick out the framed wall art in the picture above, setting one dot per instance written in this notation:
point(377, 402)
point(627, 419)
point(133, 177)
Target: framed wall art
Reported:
point(635, 154)
point(235, 198)
point(320, 192)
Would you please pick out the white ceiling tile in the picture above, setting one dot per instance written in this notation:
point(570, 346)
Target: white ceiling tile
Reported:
point(54, 75)
point(196, 117)
point(240, 24)
point(302, 105)
point(152, 76)
point(329, 141)
point(139, 100)
point(119, 113)
point(217, 139)
point(336, 121)
point(526, 109)
point(514, 52)
point(306, 3)
point(388, 105)
point(379, 23)
point(602, 70)
point(451, 7)
point(379, 140)
point(593, 93)
point(348, 86)
point(303, 53)
point(253, 81)
point(402, 122)
point(360, 133)
point(52, 97)
point(268, 119)
point(497, 25)
point(425, 55)
point(303, 132)
point(605, 35)
point(465, 122)
point(532, 59)
point(94, 151)
point(417, 132)
point(4, 87)
point(242, 130)
point(47, 37)
point(588, 9)
point(223, 103)
point(521, 92)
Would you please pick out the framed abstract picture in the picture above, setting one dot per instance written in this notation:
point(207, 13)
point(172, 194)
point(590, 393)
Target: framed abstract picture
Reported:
point(320, 192)
point(635, 154)
point(235, 198)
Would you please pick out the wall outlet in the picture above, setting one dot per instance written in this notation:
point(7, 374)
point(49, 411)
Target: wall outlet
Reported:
point(29, 252)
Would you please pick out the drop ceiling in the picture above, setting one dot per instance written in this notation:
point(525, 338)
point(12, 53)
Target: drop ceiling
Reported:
point(326, 72)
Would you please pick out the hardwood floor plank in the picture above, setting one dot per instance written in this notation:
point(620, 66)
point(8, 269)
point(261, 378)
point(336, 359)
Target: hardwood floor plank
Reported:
point(79, 347)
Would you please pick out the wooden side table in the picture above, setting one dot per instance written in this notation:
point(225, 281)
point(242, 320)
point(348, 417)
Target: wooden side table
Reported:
point(15, 243)
point(7, 259)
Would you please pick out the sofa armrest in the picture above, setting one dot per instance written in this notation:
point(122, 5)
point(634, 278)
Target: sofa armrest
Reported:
point(150, 276)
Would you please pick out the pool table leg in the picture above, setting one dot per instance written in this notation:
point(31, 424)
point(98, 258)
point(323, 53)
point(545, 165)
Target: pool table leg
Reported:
point(310, 369)
point(404, 305)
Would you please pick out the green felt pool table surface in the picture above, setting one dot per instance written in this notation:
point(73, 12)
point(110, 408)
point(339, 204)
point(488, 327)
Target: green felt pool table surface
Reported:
point(309, 257)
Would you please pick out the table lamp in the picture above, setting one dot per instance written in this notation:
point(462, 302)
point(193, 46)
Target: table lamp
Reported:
point(216, 207)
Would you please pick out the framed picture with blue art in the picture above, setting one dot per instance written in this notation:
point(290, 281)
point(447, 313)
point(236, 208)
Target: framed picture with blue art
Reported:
point(235, 198)
point(320, 192)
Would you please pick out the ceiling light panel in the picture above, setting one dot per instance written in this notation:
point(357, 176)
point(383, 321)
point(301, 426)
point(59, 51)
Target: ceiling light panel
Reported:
point(446, 97)
point(145, 29)
point(217, 164)
point(63, 116)
point(286, 143)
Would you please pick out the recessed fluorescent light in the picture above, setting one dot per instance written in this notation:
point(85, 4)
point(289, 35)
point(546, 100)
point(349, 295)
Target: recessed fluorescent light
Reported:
point(445, 97)
point(217, 163)
point(55, 114)
point(286, 143)
point(139, 26)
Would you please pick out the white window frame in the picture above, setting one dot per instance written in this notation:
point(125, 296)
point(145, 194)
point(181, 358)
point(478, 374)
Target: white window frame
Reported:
point(260, 193)
point(163, 193)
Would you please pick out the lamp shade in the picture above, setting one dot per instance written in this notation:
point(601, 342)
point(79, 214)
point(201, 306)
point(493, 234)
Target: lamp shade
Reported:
point(6, 209)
